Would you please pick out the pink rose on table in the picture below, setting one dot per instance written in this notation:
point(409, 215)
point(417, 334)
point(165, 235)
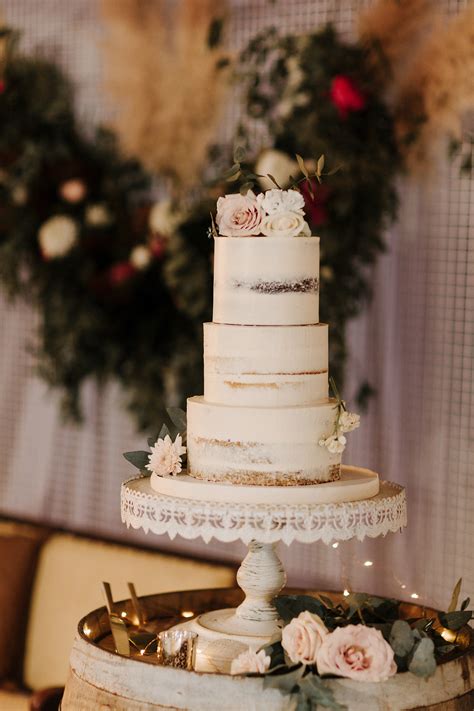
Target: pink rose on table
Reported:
point(346, 95)
point(303, 636)
point(356, 652)
point(239, 215)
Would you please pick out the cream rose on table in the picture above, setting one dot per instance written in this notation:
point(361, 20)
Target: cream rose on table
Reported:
point(356, 652)
point(285, 224)
point(303, 636)
point(250, 662)
point(239, 215)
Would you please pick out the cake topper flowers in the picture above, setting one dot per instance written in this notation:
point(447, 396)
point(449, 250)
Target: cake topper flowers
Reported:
point(346, 422)
point(167, 449)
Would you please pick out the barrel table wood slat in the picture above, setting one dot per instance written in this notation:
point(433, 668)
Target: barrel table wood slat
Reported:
point(100, 679)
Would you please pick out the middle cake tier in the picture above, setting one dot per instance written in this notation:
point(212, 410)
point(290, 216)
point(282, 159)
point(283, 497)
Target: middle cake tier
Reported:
point(261, 446)
point(265, 366)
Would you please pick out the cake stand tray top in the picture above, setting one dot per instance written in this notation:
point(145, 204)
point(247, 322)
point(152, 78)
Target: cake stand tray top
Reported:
point(142, 507)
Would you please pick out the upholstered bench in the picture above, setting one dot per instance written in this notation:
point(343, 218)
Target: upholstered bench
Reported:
point(50, 579)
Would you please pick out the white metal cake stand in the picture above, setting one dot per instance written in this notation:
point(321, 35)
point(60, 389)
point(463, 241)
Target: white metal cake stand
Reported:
point(306, 514)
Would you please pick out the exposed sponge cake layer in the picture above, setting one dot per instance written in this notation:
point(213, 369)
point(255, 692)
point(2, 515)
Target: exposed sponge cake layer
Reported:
point(261, 446)
point(266, 366)
point(262, 281)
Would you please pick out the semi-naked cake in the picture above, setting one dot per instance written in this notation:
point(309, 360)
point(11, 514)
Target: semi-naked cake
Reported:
point(265, 417)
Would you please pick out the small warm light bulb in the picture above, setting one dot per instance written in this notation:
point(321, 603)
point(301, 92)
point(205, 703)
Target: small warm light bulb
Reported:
point(123, 613)
point(368, 563)
point(346, 593)
point(448, 635)
point(142, 652)
point(187, 613)
point(87, 630)
point(415, 596)
point(403, 586)
point(335, 545)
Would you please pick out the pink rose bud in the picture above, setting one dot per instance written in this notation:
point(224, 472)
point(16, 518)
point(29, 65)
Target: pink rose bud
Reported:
point(356, 652)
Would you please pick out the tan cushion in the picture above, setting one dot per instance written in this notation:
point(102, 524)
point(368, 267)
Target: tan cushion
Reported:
point(19, 546)
point(68, 586)
point(11, 701)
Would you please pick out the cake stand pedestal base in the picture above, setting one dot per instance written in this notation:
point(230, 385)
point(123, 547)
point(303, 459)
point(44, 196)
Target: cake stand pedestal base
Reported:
point(223, 634)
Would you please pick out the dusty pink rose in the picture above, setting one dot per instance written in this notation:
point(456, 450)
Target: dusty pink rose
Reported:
point(303, 636)
point(73, 190)
point(239, 215)
point(356, 652)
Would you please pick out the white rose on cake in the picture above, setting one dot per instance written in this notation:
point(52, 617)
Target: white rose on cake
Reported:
point(239, 215)
point(165, 457)
point(285, 224)
point(335, 444)
point(57, 236)
point(279, 201)
point(250, 662)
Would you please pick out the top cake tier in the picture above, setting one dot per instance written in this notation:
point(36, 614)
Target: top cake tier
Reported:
point(266, 281)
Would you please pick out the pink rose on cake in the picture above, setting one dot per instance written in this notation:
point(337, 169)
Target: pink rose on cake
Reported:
point(285, 224)
point(239, 215)
point(281, 201)
point(303, 636)
point(356, 652)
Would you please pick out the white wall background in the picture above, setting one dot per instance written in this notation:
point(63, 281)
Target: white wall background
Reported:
point(415, 343)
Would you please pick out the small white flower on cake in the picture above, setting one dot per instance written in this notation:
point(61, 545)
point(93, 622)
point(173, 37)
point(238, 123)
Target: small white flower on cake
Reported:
point(281, 201)
point(140, 256)
point(250, 662)
point(165, 457)
point(239, 215)
point(335, 444)
point(348, 421)
point(285, 224)
point(57, 236)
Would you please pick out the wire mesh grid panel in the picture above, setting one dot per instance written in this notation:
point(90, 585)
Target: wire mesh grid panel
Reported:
point(414, 344)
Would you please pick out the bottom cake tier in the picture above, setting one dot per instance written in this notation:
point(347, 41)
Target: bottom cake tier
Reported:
point(261, 446)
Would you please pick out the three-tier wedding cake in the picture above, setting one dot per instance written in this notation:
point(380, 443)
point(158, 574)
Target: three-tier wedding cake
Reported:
point(265, 417)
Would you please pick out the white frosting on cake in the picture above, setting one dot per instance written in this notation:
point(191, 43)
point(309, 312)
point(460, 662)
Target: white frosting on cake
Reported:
point(266, 446)
point(266, 366)
point(266, 280)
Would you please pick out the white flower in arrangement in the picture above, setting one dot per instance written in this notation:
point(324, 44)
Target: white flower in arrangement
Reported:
point(57, 236)
point(19, 195)
point(239, 215)
point(275, 163)
point(97, 215)
point(303, 636)
point(250, 662)
point(348, 421)
point(165, 457)
point(335, 443)
point(285, 224)
point(164, 219)
point(279, 201)
point(140, 256)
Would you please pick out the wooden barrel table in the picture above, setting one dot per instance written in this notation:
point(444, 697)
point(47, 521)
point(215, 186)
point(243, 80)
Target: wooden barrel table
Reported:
point(102, 680)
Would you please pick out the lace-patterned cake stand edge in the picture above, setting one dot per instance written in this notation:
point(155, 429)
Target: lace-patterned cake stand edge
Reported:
point(223, 634)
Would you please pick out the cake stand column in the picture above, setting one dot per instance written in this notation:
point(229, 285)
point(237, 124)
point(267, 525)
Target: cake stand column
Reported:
point(261, 576)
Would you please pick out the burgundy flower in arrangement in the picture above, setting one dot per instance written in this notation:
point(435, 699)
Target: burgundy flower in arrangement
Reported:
point(121, 272)
point(346, 96)
point(315, 208)
point(3, 86)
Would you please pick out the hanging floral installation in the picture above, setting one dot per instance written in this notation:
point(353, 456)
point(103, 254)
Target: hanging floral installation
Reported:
point(122, 284)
